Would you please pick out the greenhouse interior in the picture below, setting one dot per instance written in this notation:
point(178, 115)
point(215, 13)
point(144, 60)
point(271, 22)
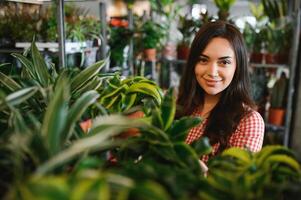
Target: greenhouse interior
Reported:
point(150, 99)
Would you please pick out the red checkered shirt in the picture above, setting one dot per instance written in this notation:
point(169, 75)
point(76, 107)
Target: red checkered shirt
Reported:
point(248, 134)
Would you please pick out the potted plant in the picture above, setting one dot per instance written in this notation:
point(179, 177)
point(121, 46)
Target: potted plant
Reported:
point(278, 100)
point(151, 36)
point(224, 7)
point(187, 27)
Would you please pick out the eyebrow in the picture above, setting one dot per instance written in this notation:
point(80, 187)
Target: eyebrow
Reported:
point(221, 58)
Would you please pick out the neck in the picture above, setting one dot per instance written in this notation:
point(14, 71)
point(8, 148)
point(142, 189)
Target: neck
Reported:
point(210, 102)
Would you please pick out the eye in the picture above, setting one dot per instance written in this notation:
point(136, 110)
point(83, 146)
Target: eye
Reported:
point(202, 60)
point(225, 62)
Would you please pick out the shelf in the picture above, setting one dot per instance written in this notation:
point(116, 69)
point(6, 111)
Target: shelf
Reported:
point(30, 1)
point(274, 128)
point(262, 65)
point(71, 47)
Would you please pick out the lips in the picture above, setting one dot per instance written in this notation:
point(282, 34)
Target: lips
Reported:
point(212, 82)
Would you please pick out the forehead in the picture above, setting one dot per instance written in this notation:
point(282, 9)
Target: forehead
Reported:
point(219, 47)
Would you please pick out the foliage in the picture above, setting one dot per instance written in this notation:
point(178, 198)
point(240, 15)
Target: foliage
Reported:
point(239, 174)
point(19, 25)
point(275, 9)
point(188, 28)
point(223, 8)
point(40, 110)
point(122, 95)
point(152, 34)
point(224, 5)
point(44, 153)
point(119, 39)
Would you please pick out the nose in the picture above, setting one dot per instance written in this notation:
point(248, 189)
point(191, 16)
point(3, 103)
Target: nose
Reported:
point(212, 70)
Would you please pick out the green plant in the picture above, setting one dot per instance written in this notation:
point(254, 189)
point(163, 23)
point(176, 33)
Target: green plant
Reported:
point(187, 27)
point(152, 34)
point(239, 174)
point(279, 92)
point(119, 39)
point(224, 7)
point(122, 95)
point(275, 9)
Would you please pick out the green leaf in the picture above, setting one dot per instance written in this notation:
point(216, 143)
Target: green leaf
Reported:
point(148, 190)
point(114, 93)
point(28, 65)
point(270, 150)
point(187, 155)
point(9, 82)
point(157, 119)
point(86, 75)
point(94, 84)
point(128, 101)
point(45, 187)
point(168, 109)
point(76, 111)
point(40, 66)
point(147, 89)
point(202, 146)
point(239, 154)
point(20, 96)
point(180, 128)
point(282, 159)
point(56, 117)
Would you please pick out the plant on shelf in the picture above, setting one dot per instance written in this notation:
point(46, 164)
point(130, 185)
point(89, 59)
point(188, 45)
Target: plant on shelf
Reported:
point(119, 40)
point(152, 34)
point(188, 28)
point(278, 31)
point(278, 100)
point(224, 8)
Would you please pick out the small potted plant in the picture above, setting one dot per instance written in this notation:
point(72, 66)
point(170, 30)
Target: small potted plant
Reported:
point(187, 27)
point(151, 35)
point(278, 101)
point(224, 7)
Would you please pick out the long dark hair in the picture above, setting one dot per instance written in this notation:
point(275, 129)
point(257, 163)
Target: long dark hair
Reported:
point(235, 100)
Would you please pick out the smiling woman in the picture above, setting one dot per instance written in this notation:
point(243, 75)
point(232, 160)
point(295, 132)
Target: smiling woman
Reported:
point(215, 85)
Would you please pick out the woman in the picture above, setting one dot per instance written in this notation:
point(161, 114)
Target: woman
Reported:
point(216, 86)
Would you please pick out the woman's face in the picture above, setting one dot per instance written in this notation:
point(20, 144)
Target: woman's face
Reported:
point(216, 66)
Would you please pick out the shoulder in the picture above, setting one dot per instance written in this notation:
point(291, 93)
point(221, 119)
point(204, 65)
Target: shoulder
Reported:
point(249, 133)
point(252, 119)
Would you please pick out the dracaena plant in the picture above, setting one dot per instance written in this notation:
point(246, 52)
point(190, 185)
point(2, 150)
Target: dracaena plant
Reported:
point(272, 173)
point(122, 95)
point(157, 150)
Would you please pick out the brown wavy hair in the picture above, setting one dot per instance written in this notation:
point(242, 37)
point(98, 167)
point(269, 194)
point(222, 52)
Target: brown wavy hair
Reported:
point(235, 100)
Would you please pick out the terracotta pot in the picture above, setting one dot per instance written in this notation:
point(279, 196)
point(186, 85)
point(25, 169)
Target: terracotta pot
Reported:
point(271, 58)
point(150, 54)
point(256, 57)
point(276, 116)
point(283, 58)
point(132, 131)
point(183, 52)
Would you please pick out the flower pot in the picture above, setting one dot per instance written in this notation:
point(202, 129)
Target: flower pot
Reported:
point(132, 131)
point(276, 116)
point(270, 58)
point(256, 57)
point(183, 52)
point(150, 54)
